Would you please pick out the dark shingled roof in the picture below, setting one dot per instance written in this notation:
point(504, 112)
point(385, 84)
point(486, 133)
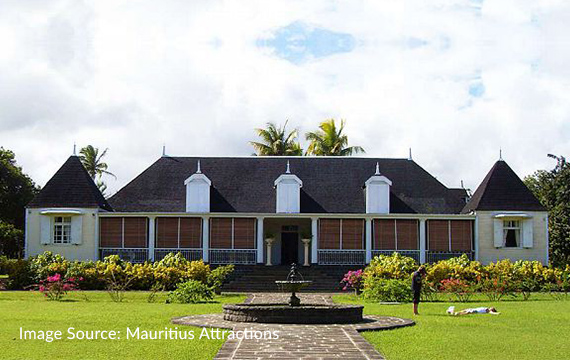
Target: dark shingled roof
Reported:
point(502, 189)
point(71, 186)
point(245, 185)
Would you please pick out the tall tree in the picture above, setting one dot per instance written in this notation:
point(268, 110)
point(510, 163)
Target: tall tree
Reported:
point(16, 191)
point(330, 141)
point(552, 188)
point(93, 163)
point(275, 141)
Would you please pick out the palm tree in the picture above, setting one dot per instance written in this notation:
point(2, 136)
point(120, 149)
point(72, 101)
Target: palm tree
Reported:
point(276, 141)
point(91, 161)
point(328, 141)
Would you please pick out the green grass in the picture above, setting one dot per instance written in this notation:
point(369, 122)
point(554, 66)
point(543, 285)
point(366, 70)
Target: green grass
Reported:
point(533, 329)
point(96, 311)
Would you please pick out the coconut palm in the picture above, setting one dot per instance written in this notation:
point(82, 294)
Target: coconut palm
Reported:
point(275, 141)
point(92, 162)
point(330, 141)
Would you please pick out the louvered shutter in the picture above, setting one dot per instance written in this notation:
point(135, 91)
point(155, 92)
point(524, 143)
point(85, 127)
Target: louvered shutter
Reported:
point(498, 233)
point(77, 230)
point(45, 230)
point(527, 230)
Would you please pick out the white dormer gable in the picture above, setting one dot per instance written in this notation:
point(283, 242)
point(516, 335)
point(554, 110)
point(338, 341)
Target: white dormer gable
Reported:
point(198, 192)
point(378, 193)
point(288, 192)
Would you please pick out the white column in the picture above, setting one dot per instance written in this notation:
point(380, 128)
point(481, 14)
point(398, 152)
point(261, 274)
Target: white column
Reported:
point(476, 239)
point(151, 237)
point(306, 243)
point(269, 242)
point(422, 241)
point(96, 239)
point(260, 240)
point(205, 238)
point(368, 234)
point(314, 243)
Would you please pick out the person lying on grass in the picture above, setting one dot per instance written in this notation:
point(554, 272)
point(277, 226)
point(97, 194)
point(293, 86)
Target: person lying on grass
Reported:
point(479, 310)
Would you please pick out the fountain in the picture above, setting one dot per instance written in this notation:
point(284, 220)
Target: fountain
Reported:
point(293, 312)
point(293, 285)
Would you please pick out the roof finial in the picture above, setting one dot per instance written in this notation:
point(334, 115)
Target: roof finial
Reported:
point(74, 148)
point(463, 187)
point(163, 149)
point(410, 154)
point(198, 170)
point(288, 168)
point(377, 169)
point(500, 154)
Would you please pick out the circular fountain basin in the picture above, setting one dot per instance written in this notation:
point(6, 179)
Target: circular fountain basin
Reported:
point(285, 314)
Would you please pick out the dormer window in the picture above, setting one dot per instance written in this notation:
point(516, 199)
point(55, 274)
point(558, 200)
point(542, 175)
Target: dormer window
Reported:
point(377, 190)
point(198, 192)
point(288, 188)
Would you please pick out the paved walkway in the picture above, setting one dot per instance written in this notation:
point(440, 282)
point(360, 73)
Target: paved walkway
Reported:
point(297, 341)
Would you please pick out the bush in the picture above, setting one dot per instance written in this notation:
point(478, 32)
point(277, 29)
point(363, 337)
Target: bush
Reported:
point(56, 286)
point(352, 280)
point(394, 266)
point(458, 288)
point(217, 277)
point(392, 290)
point(454, 268)
point(20, 275)
point(496, 288)
point(190, 292)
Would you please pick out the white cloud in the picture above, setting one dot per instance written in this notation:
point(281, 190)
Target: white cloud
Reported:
point(132, 76)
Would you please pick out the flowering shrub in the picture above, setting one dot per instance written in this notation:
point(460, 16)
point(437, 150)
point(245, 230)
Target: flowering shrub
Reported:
point(496, 288)
point(457, 287)
point(394, 266)
point(352, 280)
point(56, 286)
point(454, 268)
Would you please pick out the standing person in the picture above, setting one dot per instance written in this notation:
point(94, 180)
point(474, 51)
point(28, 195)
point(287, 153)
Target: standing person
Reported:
point(417, 278)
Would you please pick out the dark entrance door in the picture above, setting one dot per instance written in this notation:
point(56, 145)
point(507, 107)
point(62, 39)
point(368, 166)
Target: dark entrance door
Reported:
point(289, 243)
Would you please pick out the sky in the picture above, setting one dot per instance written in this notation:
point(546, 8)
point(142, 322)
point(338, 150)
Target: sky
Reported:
point(454, 80)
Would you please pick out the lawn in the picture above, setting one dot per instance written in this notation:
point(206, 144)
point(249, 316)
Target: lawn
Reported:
point(96, 311)
point(533, 329)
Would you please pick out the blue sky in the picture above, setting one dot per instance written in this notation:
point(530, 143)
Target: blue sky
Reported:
point(455, 80)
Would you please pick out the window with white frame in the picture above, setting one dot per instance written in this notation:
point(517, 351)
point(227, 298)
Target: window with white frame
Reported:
point(512, 233)
point(62, 230)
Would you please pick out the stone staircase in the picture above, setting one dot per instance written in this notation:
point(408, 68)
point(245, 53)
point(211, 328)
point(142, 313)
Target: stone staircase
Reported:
point(261, 278)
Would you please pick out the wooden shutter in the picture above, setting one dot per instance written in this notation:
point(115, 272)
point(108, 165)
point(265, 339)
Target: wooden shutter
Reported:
point(136, 232)
point(498, 240)
point(407, 233)
point(221, 233)
point(527, 233)
point(244, 233)
point(353, 234)
point(329, 234)
point(45, 229)
point(384, 234)
point(111, 232)
point(77, 229)
point(461, 238)
point(438, 235)
point(166, 232)
point(190, 232)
